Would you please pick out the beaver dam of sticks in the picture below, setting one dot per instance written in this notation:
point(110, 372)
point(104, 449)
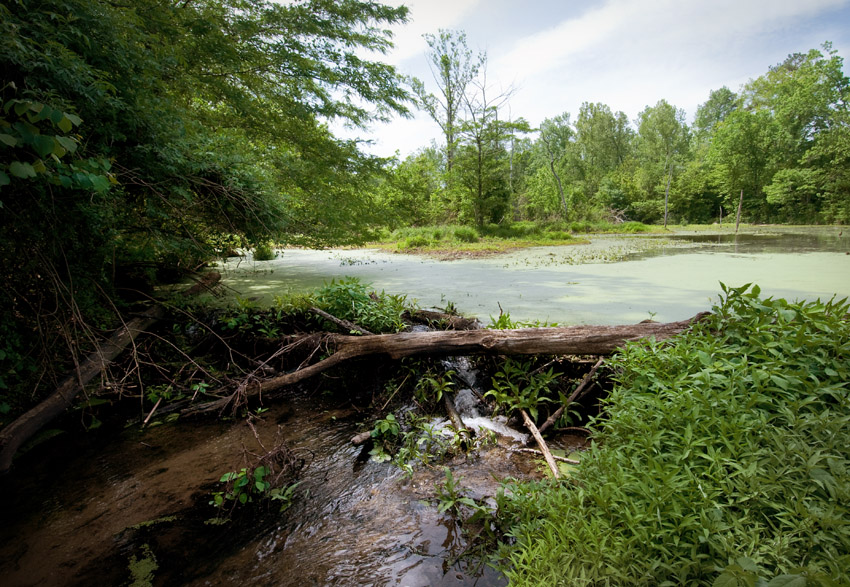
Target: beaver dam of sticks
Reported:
point(294, 446)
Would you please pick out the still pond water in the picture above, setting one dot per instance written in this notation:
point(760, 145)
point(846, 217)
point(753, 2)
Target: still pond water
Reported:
point(611, 280)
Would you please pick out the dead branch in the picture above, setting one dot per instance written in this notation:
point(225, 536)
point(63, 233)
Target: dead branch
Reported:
point(550, 421)
point(529, 423)
point(348, 326)
point(556, 457)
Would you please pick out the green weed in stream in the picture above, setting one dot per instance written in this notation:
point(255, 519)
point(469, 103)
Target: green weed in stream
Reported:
point(730, 443)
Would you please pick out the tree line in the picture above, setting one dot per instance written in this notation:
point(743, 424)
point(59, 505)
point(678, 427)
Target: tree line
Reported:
point(779, 146)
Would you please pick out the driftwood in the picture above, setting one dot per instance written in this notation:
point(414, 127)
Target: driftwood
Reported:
point(529, 423)
point(568, 340)
point(22, 429)
point(550, 421)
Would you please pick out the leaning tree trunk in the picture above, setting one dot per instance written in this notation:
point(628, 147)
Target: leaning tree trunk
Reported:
point(23, 428)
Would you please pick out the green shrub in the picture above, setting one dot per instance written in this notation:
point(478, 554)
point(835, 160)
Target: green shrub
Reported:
point(264, 252)
point(466, 234)
point(726, 451)
point(413, 242)
point(352, 300)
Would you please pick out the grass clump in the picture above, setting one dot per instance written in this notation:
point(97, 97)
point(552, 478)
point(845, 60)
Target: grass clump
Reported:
point(722, 458)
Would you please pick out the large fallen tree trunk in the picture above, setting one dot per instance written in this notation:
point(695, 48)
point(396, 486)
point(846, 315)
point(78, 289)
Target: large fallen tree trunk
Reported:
point(568, 340)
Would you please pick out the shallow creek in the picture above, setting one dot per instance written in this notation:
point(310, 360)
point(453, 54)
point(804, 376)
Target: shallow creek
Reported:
point(79, 513)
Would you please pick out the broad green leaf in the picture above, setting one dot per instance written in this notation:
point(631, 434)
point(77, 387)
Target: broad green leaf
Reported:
point(43, 145)
point(65, 124)
point(67, 143)
point(4, 179)
point(75, 120)
point(788, 581)
point(8, 140)
point(22, 170)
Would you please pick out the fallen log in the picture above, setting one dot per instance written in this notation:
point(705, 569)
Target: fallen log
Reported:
point(567, 340)
point(27, 424)
point(22, 429)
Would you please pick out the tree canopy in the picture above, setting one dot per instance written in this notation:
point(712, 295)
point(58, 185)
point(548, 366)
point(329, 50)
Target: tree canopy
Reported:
point(139, 138)
point(780, 139)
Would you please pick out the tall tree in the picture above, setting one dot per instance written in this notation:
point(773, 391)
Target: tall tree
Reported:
point(744, 151)
point(483, 157)
point(453, 66)
point(556, 134)
point(663, 135)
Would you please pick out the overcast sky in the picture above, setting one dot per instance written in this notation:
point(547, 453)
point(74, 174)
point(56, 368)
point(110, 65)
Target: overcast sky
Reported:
point(624, 53)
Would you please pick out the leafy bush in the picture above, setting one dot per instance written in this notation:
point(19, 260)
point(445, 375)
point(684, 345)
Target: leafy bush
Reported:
point(264, 252)
point(414, 242)
point(466, 234)
point(729, 445)
point(352, 300)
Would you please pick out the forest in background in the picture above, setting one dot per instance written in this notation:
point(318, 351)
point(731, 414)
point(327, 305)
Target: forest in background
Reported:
point(780, 144)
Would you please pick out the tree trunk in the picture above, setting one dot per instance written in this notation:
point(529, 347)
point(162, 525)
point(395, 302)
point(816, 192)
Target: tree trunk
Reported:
point(567, 340)
point(22, 429)
point(667, 192)
point(738, 217)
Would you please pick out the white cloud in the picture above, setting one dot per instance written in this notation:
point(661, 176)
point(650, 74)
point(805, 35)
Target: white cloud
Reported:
point(631, 53)
point(425, 16)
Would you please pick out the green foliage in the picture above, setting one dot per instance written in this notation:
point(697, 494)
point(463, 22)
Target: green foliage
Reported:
point(466, 234)
point(134, 134)
point(731, 441)
point(516, 387)
point(385, 436)
point(449, 497)
point(430, 387)
point(352, 300)
point(247, 484)
point(264, 252)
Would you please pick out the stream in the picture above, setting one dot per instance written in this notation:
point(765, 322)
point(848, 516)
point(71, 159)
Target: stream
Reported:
point(96, 508)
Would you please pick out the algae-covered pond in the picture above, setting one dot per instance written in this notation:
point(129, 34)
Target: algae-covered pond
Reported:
point(613, 279)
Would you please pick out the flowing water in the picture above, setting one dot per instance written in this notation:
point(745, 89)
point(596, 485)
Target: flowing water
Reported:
point(83, 512)
point(612, 280)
